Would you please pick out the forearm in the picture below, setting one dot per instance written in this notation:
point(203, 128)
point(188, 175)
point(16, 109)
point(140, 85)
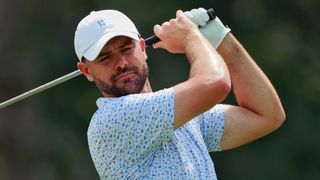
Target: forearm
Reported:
point(208, 73)
point(251, 87)
point(204, 60)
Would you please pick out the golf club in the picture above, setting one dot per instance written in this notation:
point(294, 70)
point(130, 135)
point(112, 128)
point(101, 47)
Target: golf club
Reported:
point(149, 41)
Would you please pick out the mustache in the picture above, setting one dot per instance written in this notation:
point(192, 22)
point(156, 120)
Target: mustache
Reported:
point(126, 68)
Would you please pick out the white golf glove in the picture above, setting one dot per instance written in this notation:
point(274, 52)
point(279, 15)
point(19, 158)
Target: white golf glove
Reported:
point(213, 30)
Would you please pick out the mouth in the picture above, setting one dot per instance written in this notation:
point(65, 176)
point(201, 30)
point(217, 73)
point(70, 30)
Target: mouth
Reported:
point(124, 75)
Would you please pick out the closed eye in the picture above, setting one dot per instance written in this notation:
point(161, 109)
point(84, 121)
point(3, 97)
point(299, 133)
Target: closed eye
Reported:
point(127, 50)
point(104, 58)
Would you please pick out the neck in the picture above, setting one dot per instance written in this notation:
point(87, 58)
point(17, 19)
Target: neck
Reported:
point(147, 87)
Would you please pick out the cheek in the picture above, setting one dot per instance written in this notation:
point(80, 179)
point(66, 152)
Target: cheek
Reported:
point(102, 73)
point(139, 59)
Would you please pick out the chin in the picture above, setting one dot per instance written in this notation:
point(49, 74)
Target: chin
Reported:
point(129, 85)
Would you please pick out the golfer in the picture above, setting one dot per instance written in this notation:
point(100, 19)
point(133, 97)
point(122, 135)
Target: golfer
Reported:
point(140, 134)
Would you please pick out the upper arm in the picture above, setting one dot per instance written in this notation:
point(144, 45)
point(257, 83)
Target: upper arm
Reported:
point(212, 127)
point(243, 126)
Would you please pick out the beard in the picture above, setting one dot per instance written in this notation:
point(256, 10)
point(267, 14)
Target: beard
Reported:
point(130, 85)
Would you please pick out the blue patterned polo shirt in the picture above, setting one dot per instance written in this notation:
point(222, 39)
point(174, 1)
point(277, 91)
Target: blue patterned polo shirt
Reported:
point(132, 137)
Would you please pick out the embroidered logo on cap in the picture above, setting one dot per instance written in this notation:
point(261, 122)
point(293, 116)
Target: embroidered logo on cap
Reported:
point(102, 23)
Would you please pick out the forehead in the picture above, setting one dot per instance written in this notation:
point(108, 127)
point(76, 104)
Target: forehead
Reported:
point(119, 41)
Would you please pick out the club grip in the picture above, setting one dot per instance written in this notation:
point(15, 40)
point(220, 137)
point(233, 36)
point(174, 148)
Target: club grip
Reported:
point(154, 39)
point(151, 40)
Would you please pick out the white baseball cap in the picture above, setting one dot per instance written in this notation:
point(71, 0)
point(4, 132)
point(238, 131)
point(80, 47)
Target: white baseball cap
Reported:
point(96, 29)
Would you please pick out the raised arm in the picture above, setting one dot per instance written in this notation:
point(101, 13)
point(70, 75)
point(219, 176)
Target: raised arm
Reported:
point(209, 81)
point(260, 111)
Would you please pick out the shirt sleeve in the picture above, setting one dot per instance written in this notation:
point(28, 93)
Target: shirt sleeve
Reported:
point(125, 131)
point(212, 127)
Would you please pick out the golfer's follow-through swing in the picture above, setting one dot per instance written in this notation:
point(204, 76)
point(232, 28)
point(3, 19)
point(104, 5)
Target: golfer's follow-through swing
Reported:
point(138, 133)
point(149, 41)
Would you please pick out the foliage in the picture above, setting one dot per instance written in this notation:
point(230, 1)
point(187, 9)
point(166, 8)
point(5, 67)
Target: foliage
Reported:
point(44, 137)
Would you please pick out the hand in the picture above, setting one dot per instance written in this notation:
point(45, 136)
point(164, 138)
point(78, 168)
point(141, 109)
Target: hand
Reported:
point(214, 30)
point(198, 16)
point(176, 33)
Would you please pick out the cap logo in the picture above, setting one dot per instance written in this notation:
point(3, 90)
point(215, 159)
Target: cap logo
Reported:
point(101, 22)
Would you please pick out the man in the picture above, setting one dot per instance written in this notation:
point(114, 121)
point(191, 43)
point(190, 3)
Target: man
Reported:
point(168, 134)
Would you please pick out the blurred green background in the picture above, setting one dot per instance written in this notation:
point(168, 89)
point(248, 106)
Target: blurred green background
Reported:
point(44, 137)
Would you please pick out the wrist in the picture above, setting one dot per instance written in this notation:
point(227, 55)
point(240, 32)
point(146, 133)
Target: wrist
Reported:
point(191, 40)
point(197, 48)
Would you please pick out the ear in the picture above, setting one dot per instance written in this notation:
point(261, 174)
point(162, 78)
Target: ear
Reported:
point(143, 47)
point(85, 71)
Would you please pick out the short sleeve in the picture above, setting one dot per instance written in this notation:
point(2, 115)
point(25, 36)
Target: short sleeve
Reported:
point(212, 127)
point(125, 131)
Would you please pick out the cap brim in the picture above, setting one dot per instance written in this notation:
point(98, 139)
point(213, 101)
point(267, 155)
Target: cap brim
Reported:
point(92, 53)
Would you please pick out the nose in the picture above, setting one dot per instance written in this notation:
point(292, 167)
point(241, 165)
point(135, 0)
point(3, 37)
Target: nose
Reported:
point(121, 63)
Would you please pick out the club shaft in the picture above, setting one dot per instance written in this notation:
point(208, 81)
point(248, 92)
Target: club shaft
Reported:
point(40, 88)
point(43, 87)
point(149, 41)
